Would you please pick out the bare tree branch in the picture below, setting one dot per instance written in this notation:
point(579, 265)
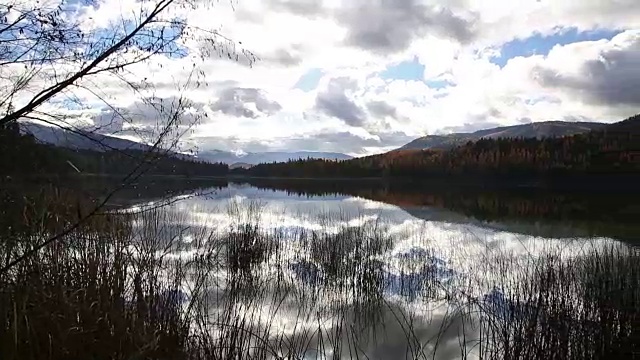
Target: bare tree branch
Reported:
point(47, 55)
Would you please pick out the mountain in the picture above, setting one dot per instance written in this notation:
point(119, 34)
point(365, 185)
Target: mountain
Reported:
point(629, 126)
point(538, 130)
point(86, 140)
point(266, 157)
point(78, 139)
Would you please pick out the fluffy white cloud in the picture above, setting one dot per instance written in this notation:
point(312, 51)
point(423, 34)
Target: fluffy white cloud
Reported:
point(354, 108)
point(604, 72)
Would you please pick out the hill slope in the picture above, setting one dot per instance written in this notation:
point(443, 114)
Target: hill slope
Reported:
point(608, 150)
point(78, 139)
point(538, 130)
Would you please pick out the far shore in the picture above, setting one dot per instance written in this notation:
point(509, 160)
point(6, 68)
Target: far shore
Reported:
point(566, 183)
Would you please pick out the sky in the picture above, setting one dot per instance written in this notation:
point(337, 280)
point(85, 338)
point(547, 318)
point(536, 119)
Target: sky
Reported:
point(366, 76)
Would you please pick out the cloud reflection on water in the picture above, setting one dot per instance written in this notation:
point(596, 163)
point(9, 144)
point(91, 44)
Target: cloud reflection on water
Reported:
point(417, 275)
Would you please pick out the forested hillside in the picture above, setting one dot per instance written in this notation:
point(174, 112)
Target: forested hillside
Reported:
point(23, 155)
point(539, 130)
point(616, 149)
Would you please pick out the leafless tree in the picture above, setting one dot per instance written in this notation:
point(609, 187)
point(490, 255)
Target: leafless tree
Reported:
point(53, 54)
point(51, 49)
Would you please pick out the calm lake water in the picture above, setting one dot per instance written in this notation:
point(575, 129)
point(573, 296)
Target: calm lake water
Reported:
point(333, 270)
point(479, 216)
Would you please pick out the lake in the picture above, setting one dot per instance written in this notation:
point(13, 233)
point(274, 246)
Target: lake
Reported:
point(329, 269)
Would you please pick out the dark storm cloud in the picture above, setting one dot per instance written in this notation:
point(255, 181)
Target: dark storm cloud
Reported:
point(283, 57)
point(385, 26)
point(391, 25)
point(612, 79)
point(233, 101)
point(306, 8)
point(149, 114)
point(335, 102)
point(381, 109)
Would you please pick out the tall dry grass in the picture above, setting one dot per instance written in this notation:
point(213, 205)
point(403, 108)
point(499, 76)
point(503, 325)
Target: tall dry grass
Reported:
point(102, 291)
point(581, 307)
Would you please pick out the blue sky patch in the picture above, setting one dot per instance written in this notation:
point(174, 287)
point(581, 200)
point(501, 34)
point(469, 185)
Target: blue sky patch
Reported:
point(438, 84)
point(541, 45)
point(406, 70)
point(411, 70)
point(152, 39)
point(309, 80)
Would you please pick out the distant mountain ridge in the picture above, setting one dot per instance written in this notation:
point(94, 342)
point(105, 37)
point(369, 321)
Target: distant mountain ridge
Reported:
point(86, 140)
point(78, 139)
point(531, 130)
